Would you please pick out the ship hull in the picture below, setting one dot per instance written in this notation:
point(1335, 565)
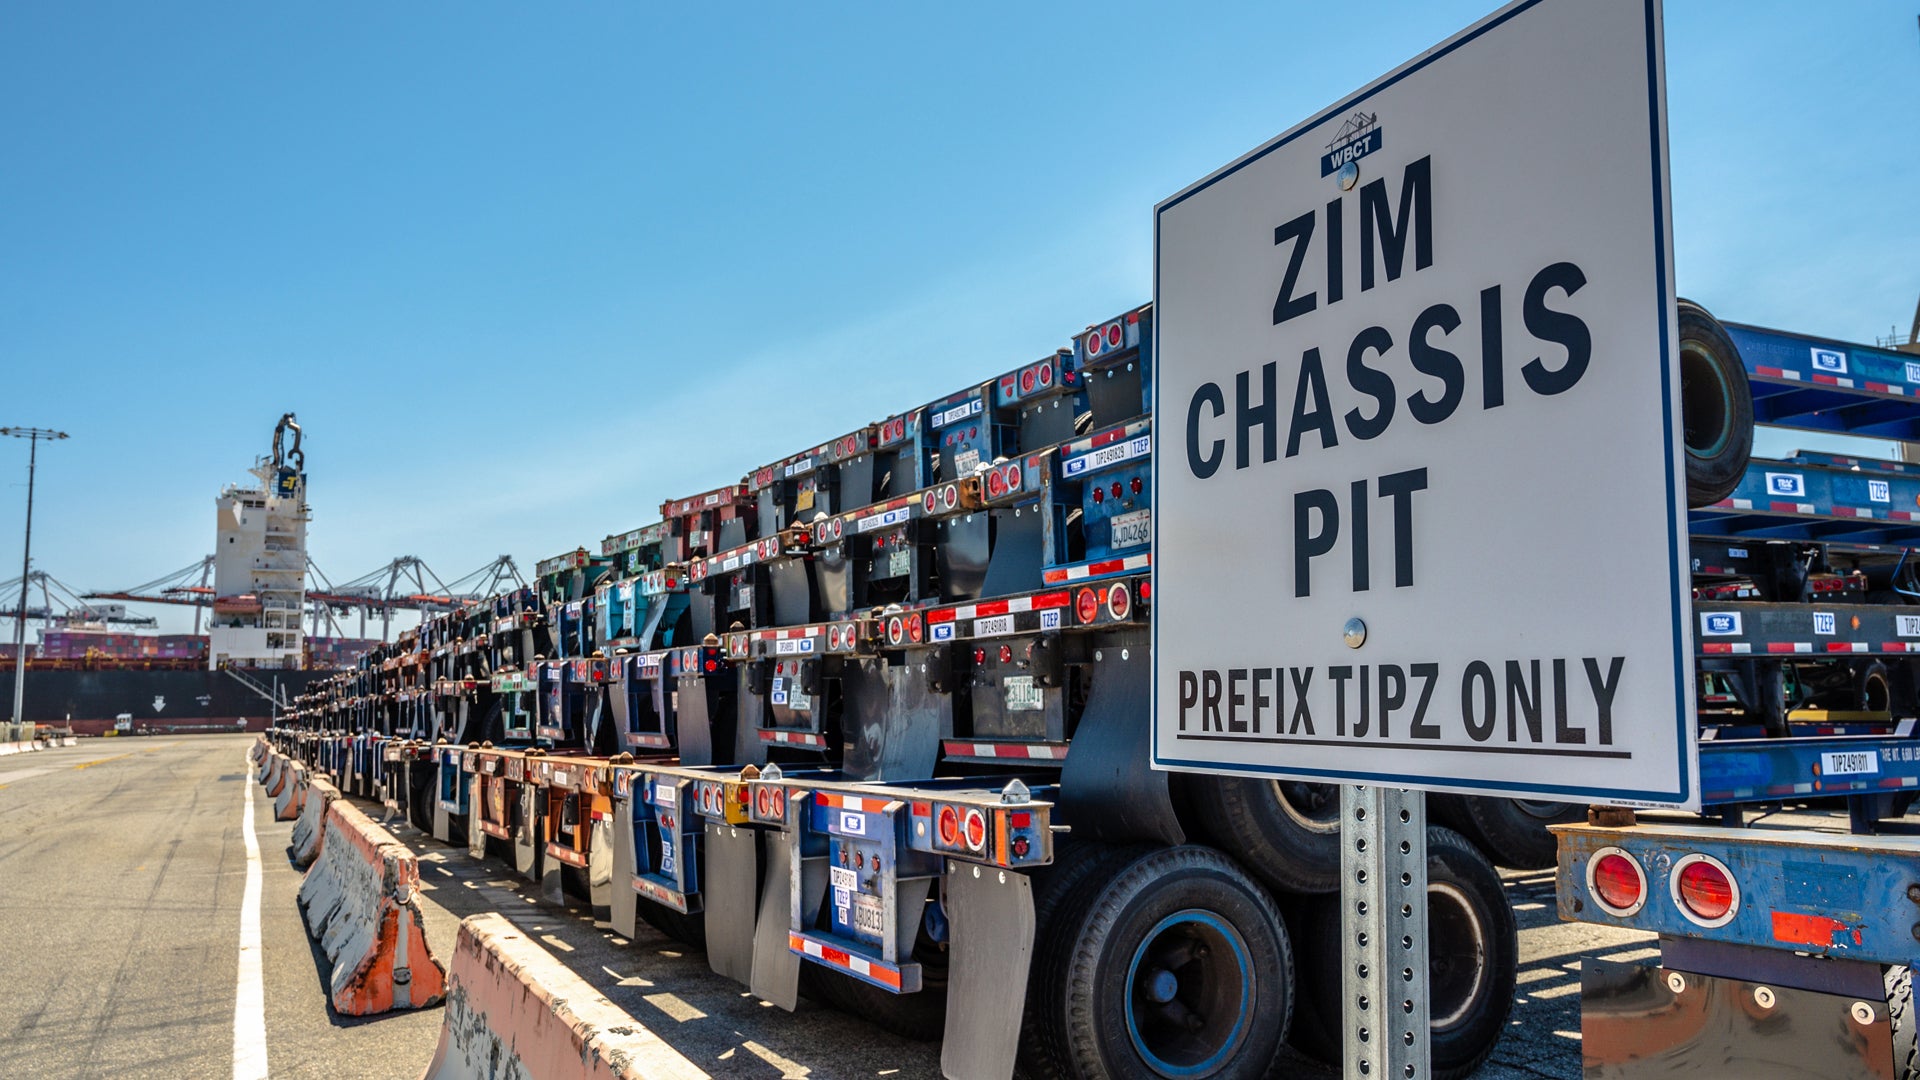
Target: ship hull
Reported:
point(160, 702)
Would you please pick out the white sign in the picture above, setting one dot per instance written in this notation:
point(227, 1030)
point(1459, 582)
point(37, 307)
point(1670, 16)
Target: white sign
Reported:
point(1418, 368)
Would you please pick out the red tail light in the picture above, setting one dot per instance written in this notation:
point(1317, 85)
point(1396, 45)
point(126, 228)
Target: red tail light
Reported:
point(976, 827)
point(1616, 882)
point(1006, 654)
point(1099, 494)
point(1113, 335)
point(996, 484)
point(1026, 381)
point(915, 629)
point(1087, 605)
point(1046, 374)
point(949, 824)
point(1705, 890)
point(1119, 601)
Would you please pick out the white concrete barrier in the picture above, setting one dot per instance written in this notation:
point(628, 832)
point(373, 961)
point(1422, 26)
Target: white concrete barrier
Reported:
point(513, 1010)
point(310, 829)
point(360, 905)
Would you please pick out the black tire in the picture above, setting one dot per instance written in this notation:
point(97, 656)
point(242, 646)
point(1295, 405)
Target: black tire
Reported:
point(1873, 688)
point(1286, 832)
point(1473, 956)
point(1513, 832)
point(1059, 894)
point(1178, 958)
point(423, 788)
point(689, 930)
point(1716, 407)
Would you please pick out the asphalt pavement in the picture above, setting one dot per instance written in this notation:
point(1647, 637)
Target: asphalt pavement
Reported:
point(122, 869)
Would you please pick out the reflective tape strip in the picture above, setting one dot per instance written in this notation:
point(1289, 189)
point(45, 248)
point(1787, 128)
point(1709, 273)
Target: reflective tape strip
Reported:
point(1098, 569)
point(1029, 751)
point(1848, 511)
point(1789, 646)
point(855, 802)
point(1712, 647)
point(846, 961)
point(1777, 373)
point(1847, 646)
point(794, 738)
point(1832, 380)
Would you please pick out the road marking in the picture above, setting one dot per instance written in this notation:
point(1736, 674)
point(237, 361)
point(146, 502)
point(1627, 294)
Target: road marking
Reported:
point(250, 994)
point(102, 761)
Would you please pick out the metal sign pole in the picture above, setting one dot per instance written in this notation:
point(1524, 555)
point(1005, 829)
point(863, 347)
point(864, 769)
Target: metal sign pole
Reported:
point(1383, 951)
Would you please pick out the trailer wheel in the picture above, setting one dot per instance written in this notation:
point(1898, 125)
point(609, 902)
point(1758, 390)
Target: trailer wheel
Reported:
point(1873, 688)
point(1473, 954)
point(1512, 832)
point(688, 930)
point(1061, 892)
point(1179, 966)
point(1716, 407)
point(1286, 832)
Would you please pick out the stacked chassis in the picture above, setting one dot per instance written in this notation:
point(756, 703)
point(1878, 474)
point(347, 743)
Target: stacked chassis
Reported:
point(871, 725)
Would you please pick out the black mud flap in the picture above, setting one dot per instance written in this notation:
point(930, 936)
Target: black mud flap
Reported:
point(623, 908)
point(990, 918)
point(1109, 789)
point(730, 889)
point(526, 832)
point(776, 967)
point(892, 721)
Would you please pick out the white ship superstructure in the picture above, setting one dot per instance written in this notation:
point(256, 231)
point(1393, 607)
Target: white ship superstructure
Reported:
point(260, 563)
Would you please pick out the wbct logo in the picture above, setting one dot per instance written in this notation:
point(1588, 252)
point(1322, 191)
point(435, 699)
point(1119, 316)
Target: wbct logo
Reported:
point(1357, 138)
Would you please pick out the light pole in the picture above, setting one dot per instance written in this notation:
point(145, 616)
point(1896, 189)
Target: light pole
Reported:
point(33, 437)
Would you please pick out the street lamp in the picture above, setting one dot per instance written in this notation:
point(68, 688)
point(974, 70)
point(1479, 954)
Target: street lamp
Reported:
point(33, 437)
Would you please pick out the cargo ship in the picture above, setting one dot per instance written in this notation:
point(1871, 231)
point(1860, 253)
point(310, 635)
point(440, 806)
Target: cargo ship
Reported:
point(84, 676)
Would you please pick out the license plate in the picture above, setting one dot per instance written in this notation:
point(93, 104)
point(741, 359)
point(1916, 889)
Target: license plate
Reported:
point(796, 699)
point(1849, 763)
point(899, 562)
point(1130, 530)
point(664, 794)
point(1021, 694)
point(966, 461)
point(867, 915)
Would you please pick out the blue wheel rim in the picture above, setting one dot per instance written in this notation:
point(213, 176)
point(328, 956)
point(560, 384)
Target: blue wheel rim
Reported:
point(1189, 994)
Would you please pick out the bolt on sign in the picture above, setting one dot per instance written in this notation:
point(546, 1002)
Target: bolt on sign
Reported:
point(1420, 493)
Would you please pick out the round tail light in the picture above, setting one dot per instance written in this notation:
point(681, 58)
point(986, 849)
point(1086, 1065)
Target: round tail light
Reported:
point(976, 826)
point(1014, 477)
point(928, 502)
point(1113, 335)
point(1087, 605)
point(1119, 601)
point(1616, 882)
point(1026, 381)
point(996, 484)
point(895, 628)
point(949, 824)
point(915, 629)
point(1094, 342)
point(1046, 374)
point(1099, 494)
point(1704, 889)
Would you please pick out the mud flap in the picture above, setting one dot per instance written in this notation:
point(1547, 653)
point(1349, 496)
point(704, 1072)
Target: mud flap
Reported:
point(476, 837)
point(1110, 790)
point(990, 913)
point(600, 891)
point(526, 832)
point(776, 967)
point(731, 886)
point(623, 905)
point(442, 821)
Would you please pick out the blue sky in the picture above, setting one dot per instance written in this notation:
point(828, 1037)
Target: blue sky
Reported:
point(525, 272)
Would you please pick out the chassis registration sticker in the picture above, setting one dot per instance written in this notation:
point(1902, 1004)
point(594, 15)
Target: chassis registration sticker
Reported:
point(1021, 694)
point(1849, 763)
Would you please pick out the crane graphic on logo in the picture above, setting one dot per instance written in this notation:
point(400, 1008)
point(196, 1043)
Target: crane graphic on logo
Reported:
point(1356, 138)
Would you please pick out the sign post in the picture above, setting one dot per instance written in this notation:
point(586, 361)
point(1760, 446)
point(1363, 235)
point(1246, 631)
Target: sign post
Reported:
point(1417, 397)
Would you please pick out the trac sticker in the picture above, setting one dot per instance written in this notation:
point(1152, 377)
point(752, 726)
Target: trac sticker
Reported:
point(853, 823)
point(1791, 484)
point(1719, 623)
point(1831, 361)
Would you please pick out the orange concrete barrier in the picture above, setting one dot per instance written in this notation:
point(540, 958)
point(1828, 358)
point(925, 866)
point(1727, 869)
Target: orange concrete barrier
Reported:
point(360, 905)
point(513, 1010)
point(286, 806)
point(310, 829)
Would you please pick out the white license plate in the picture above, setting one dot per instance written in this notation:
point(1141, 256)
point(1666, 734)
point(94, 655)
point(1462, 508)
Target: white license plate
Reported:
point(1021, 694)
point(1132, 529)
point(798, 700)
point(664, 794)
point(899, 562)
point(867, 915)
point(993, 626)
point(1849, 763)
point(965, 462)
